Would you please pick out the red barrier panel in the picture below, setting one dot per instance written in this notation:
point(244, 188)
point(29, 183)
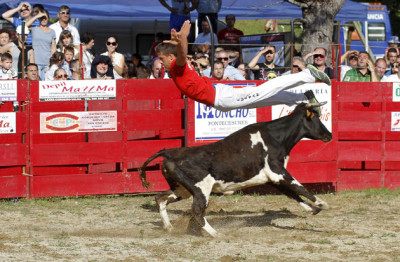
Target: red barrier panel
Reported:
point(150, 116)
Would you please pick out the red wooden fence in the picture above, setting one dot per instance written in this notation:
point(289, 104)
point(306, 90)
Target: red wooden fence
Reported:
point(364, 152)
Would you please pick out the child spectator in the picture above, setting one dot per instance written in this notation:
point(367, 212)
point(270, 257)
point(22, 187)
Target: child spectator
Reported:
point(60, 74)
point(69, 54)
point(56, 61)
point(66, 40)
point(7, 71)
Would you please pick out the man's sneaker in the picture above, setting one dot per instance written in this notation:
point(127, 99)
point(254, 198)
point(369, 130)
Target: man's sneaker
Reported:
point(311, 99)
point(319, 75)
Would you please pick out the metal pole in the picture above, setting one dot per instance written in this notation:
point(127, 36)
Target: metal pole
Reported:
point(23, 49)
point(212, 44)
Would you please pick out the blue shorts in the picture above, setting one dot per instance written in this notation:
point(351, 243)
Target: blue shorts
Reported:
point(176, 21)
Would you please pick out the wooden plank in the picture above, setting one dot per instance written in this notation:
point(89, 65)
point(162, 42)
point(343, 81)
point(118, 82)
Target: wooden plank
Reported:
point(359, 92)
point(154, 120)
point(13, 186)
point(140, 151)
point(359, 125)
point(392, 155)
point(59, 170)
point(313, 151)
point(76, 153)
point(392, 179)
point(13, 154)
point(356, 180)
point(316, 172)
point(151, 89)
point(359, 151)
point(153, 104)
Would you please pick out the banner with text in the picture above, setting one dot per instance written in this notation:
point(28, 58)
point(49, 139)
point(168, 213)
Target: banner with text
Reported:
point(77, 90)
point(322, 92)
point(212, 124)
point(8, 123)
point(68, 122)
point(8, 90)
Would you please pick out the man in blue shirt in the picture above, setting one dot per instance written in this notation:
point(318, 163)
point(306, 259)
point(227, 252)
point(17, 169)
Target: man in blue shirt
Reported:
point(25, 12)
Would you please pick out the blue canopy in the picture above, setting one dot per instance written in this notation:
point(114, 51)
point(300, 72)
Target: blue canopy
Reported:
point(152, 9)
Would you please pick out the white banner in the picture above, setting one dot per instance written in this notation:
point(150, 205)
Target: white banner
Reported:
point(68, 122)
point(396, 92)
point(212, 124)
point(395, 122)
point(321, 91)
point(8, 90)
point(77, 90)
point(8, 123)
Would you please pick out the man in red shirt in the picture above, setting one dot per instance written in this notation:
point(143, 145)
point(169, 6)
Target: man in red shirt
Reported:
point(225, 97)
point(230, 35)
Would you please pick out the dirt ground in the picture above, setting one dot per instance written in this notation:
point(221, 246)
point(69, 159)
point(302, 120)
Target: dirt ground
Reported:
point(360, 226)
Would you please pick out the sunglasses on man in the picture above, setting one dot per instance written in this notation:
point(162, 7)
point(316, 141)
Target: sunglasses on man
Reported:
point(223, 58)
point(269, 52)
point(112, 43)
point(64, 12)
point(319, 55)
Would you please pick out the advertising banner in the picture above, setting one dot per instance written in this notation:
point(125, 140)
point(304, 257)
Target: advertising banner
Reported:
point(77, 90)
point(69, 122)
point(8, 123)
point(8, 90)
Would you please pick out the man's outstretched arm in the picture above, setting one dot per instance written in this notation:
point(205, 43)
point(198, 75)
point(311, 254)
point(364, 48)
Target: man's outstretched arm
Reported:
point(180, 40)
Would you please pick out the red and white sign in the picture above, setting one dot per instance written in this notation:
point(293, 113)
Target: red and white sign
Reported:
point(69, 122)
point(8, 90)
point(77, 90)
point(395, 123)
point(8, 123)
point(322, 92)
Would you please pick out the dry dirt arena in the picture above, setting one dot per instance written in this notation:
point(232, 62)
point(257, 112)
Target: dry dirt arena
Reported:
point(361, 226)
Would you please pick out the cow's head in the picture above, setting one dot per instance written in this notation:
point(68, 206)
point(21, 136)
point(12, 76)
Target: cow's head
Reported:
point(313, 127)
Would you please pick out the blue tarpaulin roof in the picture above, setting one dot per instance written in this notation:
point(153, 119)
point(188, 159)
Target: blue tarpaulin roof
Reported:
point(152, 9)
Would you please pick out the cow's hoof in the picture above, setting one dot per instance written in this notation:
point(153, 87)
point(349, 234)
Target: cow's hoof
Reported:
point(322, 204)
point(168, 228)
point(316, 210)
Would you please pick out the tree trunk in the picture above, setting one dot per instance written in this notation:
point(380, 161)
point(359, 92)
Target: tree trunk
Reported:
point(318, 22)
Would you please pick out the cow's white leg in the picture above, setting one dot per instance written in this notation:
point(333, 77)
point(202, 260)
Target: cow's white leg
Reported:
point(162, 202)
point(310, 208)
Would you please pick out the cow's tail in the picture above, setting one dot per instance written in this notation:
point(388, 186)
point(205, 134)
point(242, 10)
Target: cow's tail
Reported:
point(142, 170)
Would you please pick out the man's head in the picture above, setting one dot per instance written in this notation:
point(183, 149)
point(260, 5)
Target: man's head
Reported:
point(363, 58)
point(392, 55)
point(88, 40)
point(269, 54)
point(6, 60)
point(32, 72)
point(380, 67)
point(143, 72)
point(205, 26)
point(353, 60)
point(223, 57)
point(25, 11)
point(64, 14)
point(218, 72)
point(320, 56)
point(230, 21)
point(4, 36)
point(167, 53)
point(102, 68)
point(156, 68)
point(298, 64)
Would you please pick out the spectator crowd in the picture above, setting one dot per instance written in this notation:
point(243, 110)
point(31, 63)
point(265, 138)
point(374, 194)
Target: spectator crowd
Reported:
point(56, 51)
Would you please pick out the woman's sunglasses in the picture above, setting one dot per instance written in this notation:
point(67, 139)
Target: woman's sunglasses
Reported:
point(61, 76)
point(112, 43)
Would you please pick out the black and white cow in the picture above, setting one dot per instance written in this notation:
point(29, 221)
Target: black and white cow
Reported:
point(255, 155)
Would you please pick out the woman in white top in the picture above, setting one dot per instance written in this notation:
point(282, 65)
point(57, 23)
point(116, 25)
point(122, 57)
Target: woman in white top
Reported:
point(87, 41)
point(117, 59)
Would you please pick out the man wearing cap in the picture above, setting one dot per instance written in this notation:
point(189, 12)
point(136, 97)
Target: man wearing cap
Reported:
point(352, 56)
point(25, 12)
point(394, 41)
point(64, 15)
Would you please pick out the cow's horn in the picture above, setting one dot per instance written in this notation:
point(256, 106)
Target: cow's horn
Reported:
point(309, 105)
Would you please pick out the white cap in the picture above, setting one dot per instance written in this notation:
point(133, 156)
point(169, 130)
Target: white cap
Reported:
point(19, 30)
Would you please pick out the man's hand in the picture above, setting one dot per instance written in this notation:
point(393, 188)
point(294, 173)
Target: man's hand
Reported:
point(176, 37)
